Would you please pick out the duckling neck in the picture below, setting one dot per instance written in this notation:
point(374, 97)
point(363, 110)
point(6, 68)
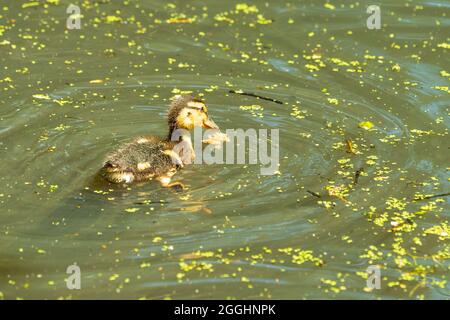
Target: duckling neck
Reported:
point(171, 130)
point(178, 134)
point(182, 144)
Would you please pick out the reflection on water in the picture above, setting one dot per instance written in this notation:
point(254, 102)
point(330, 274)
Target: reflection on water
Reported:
point(310, 231)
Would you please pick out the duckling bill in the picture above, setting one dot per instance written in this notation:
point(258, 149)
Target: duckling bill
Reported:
point(151, 157)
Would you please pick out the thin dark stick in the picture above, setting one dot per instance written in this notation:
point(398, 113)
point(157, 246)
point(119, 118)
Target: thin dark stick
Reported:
point(256, 96)
point(357, 175)
point(434, 196)
point(314, 194)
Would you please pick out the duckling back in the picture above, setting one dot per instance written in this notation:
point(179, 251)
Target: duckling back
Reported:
point(140, 160)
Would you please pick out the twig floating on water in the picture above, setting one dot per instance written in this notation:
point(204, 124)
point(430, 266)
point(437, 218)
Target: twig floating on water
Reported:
point(256, 96)
point(350, 147)
point(314, 194)
point(433, 196)
point(357, 175)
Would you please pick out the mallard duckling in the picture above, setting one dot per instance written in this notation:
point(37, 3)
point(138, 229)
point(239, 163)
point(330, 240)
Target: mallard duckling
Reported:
point(150, 157)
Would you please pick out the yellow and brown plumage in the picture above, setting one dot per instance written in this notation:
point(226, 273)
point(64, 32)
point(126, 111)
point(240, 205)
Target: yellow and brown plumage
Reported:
point(152, 157)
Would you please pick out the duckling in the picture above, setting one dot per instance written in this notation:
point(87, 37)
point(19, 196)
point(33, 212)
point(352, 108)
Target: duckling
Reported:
point(151, 157)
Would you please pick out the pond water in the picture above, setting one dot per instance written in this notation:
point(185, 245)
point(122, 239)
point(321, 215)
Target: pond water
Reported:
point(364, 150)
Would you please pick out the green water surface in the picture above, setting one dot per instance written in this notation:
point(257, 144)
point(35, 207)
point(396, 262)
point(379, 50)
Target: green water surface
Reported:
point(68, 97)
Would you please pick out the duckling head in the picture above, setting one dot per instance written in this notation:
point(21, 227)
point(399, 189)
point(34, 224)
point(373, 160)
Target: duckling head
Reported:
point(187, 112)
